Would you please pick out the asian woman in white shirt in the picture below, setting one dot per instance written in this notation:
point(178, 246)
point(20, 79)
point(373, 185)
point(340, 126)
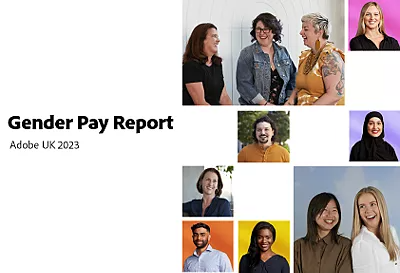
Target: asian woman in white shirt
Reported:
point(375, 243)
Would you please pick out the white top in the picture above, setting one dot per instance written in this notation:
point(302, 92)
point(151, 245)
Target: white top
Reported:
point(370, 254)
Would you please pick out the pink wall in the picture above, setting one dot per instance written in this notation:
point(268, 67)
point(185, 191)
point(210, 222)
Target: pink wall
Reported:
point(390, 10)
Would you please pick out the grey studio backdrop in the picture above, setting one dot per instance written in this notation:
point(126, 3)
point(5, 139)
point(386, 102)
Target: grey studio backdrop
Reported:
point(233, 19)
point(344, 183)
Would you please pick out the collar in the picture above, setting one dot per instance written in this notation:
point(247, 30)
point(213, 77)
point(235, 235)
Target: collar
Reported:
point(328, 239)
point(208, 249)
point(365, 230)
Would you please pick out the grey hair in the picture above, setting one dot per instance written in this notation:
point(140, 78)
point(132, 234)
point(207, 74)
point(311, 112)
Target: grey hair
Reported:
point(319, 22)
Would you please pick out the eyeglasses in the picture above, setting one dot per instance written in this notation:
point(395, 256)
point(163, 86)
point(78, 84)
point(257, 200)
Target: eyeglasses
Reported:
point(265, 30)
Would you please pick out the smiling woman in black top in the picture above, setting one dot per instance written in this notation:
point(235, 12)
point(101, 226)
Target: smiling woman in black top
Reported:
point(203, 82)
point(260, 258)
point(371, 33)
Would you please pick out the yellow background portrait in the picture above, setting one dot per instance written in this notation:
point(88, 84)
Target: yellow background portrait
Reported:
point(281, 245)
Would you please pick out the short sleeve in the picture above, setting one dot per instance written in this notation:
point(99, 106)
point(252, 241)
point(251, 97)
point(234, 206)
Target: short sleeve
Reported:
point(192, 72)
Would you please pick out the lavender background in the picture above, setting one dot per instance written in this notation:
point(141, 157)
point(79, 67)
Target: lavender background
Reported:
point(390, 10)
point(392, 127)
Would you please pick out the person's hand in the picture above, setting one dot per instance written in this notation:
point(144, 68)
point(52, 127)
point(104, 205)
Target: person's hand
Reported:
point(289, 102)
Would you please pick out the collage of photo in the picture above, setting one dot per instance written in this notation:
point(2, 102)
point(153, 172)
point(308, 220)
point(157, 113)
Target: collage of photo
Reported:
point(263, 58)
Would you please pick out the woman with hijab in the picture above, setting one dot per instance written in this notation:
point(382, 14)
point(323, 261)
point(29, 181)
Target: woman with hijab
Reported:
point(203, 82)
point(371, 33)
point(260, 258)
point(265, 73)
point(320, 77)
point(372, 146)
point(375, 243)
point(323, 249)
point(210, 186)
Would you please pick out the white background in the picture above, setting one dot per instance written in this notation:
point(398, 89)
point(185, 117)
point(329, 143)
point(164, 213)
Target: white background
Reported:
point(114, 205)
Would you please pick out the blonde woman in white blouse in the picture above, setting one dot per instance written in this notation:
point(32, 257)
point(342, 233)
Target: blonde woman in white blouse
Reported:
point(375, 243)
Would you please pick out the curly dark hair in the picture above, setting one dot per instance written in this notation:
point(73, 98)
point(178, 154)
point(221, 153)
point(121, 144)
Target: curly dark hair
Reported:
point(265, 119)
point(254, 250)
point(220, 185)
point(195, 45)
point(271, 22)
point(317, 205)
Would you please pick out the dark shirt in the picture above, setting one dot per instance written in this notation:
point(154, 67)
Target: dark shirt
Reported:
point(218, 207)
point(275, 264)
point(210, 76)
point(361, 42)
point(276, 87)
point(384, 152)
point(326, 256)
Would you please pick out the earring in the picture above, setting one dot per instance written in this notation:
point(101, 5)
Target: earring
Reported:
point(317, 45)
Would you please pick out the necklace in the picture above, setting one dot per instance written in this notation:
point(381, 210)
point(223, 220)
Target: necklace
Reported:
point(311, 61)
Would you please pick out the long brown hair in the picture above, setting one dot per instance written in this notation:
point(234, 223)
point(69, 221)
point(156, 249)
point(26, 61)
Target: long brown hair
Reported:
point(361, 25)
point(195, 45)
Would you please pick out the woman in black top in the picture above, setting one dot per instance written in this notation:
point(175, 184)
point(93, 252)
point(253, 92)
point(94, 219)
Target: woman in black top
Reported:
point(260, 258)
point(372, 147)
point(203, 82)
point(371, 33)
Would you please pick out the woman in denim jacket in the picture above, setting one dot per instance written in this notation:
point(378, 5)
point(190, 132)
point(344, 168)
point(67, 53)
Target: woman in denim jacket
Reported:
point(265, 72)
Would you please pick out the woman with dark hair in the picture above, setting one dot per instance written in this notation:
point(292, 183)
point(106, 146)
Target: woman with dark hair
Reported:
point(265, 72)
point(260, 258)
point(323, 249)
point(203, 82)
point(371, 33)
point(210, 186)
point(372, 147)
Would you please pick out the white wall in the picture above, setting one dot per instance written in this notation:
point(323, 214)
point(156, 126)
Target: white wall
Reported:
point(233, 19)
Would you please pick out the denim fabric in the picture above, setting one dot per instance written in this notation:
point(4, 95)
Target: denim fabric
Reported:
point(253, 74)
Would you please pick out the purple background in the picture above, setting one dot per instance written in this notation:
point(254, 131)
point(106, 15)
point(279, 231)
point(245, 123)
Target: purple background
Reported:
point(392, 127)
point(390, 9)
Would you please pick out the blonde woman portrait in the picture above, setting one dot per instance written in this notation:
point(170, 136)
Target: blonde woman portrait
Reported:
point(375, 246)
point(371, 34)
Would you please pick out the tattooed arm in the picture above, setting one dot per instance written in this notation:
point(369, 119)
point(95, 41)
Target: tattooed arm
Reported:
point(333, 76)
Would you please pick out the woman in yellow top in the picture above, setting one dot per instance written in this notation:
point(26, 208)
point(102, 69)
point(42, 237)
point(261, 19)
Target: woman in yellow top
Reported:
point(320, 77)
